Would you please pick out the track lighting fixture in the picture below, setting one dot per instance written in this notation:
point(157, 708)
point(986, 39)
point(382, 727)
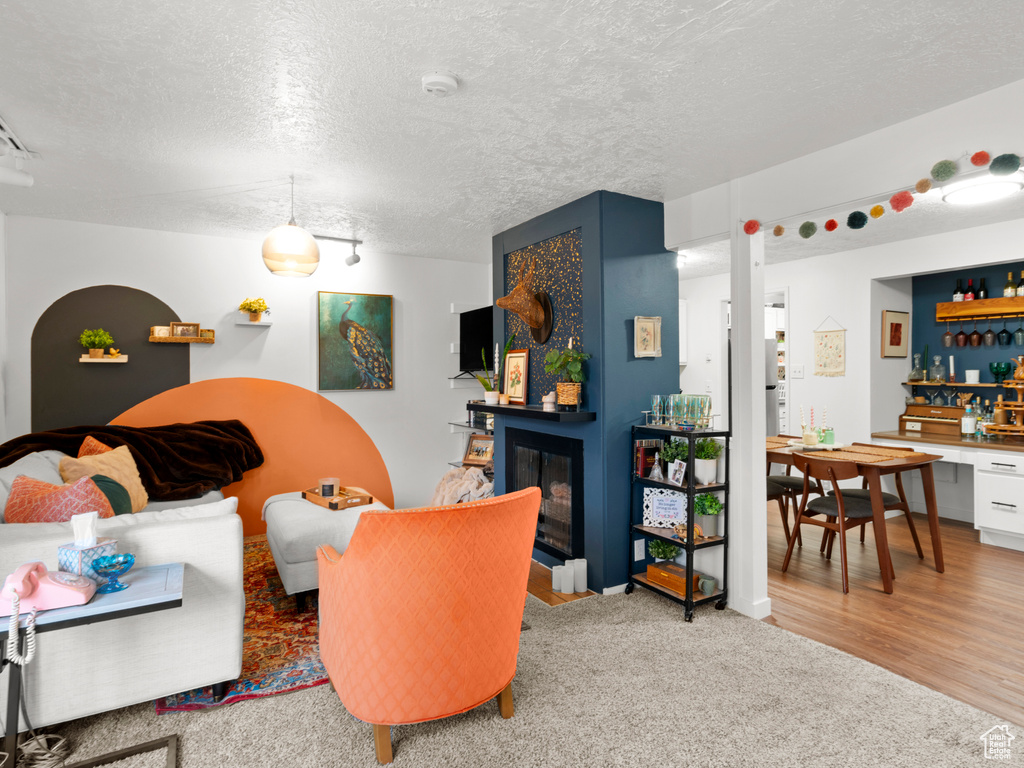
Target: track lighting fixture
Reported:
point(352, 260)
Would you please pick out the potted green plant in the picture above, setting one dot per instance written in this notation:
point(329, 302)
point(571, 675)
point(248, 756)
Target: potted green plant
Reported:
point(255, 307)
point(492, 385)
point(96, 341)
point(662, 550)
point(674, 450)
point(705, 465)
point(707, 507)
point(568, 364)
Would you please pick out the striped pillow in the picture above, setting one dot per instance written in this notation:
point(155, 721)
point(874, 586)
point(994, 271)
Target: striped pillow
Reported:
point(33, 501)
point(93, 447)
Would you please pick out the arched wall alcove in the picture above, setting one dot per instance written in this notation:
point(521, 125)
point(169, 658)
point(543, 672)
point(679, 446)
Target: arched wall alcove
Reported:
point(65, 392)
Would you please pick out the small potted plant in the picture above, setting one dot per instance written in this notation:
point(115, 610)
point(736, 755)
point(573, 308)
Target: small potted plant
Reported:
point(662, 550)
point(96, 341)
point(255, 307)
point(707, 507)
point(568, 364)
point(492, 386)
point(672, 451)
point(705, 465)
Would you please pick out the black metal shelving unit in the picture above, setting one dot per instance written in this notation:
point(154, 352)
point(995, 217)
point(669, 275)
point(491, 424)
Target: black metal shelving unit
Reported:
point(637, 530)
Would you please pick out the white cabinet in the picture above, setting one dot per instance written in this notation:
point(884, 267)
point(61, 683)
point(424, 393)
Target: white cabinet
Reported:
point(999, 498)
point(682, 331)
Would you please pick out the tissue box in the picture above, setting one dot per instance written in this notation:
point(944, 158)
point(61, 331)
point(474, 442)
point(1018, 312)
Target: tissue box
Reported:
point(72, 558)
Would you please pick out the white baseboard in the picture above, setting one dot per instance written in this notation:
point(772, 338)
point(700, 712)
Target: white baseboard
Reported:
point(614, 590)
point(758, 609)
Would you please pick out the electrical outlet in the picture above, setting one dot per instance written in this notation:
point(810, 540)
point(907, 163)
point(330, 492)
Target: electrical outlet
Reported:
point(707, 387)
point(798, 372)
point(638, 549)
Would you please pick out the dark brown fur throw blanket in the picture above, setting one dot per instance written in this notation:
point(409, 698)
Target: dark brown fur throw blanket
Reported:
point(176, 461)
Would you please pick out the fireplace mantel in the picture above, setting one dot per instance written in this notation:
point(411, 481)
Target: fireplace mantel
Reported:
point(532, 412)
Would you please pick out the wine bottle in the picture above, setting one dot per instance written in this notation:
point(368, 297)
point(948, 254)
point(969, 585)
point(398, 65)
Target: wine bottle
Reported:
point(958, 294)
point(969, 294)
point(982, 290)
point(1009, 289)
point(1020, 285)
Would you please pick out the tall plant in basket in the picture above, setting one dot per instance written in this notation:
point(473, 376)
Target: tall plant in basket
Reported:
point(568, 364)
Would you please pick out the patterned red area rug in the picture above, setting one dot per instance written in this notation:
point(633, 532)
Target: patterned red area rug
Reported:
point(280, 653)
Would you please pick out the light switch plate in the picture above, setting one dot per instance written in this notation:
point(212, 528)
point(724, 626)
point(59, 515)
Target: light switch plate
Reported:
point(798, 372)
point(638, 549)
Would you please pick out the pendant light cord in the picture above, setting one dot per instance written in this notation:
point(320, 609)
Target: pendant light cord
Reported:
point(292, 220)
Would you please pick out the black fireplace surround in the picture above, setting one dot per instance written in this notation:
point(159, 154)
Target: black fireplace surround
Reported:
point(555, 465)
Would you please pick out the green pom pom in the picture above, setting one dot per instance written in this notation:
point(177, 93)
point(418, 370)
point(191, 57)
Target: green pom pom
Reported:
point(857, 220)
point(944, 170)
point(1004, 165)
point(807, 229)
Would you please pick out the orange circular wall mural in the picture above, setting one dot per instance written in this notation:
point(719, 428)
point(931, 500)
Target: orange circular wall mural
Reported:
point(303, 436)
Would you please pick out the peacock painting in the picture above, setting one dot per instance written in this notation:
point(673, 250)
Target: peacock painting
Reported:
point(355, 341)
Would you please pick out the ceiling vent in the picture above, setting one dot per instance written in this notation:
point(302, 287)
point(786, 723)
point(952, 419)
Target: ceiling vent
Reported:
point(440, 84)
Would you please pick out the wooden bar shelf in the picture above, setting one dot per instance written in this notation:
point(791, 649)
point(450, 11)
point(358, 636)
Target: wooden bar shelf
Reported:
point(980, 309)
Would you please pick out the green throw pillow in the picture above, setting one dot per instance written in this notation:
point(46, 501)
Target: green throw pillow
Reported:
point(116, 494)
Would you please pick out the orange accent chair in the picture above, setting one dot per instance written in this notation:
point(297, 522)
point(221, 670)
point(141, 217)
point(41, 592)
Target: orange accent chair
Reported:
point(420, 618)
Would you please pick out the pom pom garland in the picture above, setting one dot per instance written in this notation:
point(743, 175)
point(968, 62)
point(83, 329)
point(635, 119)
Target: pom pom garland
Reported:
point(807, 229)
point(752, 226)
point(876, 211)
point(857, 220)
point(901, 201)
point(923, 186)
point(944, 170)
point(779, 230)
point(980, 158)
point(831, 225)
point(1004, 165)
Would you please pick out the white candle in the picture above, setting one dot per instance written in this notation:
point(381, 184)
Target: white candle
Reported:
point(579, 568)
point(556, 577)
point(952, 368)
point(570, 342)
point(824, 417)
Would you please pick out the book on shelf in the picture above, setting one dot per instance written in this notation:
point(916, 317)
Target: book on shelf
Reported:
point(643, 457)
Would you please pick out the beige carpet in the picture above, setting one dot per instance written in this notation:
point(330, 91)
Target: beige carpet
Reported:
point(609, 681)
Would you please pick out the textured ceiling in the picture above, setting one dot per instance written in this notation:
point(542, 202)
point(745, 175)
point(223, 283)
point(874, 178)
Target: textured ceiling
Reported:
point(188, 116)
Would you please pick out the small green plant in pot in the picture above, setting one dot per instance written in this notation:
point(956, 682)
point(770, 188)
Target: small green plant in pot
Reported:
point(96, 341)
point(674, 450)
point(493, 385)
point(567, 364)
point(705, 465)
point(662, 550)
point(707, 507)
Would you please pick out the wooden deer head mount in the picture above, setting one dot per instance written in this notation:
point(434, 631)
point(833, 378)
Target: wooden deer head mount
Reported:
point(534, 309)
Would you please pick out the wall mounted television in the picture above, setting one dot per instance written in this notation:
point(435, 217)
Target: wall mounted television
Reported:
point(476, 333)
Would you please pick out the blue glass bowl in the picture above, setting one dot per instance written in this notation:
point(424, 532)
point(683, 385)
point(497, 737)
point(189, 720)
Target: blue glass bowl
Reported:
point(110, 567)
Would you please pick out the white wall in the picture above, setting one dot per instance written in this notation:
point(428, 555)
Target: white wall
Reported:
point(204, 278)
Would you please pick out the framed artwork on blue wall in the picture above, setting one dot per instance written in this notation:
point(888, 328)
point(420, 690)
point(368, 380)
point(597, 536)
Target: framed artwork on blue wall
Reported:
point(354, 341)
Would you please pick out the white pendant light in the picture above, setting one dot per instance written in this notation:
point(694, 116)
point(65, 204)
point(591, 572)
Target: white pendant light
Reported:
point(289, 250)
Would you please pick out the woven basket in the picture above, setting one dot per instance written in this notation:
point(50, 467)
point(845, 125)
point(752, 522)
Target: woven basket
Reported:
point(568, 392)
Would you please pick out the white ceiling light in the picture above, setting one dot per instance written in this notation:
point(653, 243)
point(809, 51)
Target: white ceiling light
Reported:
point(350, 260)
point(440, 84)
point(290, 251)
point(983, 188)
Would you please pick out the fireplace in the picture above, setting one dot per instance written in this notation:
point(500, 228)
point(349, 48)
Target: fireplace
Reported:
point(555, 465)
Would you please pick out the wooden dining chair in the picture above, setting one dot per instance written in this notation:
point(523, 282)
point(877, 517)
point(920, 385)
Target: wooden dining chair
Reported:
point(838, 513)
point(792, 486)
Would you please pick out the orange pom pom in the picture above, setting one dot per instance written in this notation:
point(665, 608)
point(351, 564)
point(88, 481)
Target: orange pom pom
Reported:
point(752, 226)
point(876, 212)
point(901, 201)
point(778, 231)
point(830, 225)
point(980, 158)
point(923, 186)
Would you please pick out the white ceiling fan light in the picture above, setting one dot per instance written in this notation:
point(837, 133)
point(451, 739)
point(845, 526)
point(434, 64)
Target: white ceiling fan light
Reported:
point(982, 188)
point(289, 250)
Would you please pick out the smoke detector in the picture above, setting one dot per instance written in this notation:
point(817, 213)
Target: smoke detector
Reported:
point(440, 84)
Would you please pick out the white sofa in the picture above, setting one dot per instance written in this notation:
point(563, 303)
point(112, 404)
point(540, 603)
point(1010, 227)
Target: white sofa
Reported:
point(90, 669)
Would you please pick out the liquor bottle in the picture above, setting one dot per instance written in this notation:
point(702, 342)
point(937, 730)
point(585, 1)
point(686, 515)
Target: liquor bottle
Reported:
point(958, 294)
point(1020, 285)
point(1009, 289)
point(982, 290)
point(969, 294)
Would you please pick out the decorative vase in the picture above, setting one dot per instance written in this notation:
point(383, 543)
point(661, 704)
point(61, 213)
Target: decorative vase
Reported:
point(705, 471)
point(568, 393)
point(491, 398)
point(254, 317)
point(503, 399)
point(708, 524)
point(96, 352)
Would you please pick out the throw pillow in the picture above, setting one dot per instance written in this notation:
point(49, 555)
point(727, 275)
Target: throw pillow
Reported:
point(116, 494)
point(117, 464)
point(33, 501)
point(93, 447)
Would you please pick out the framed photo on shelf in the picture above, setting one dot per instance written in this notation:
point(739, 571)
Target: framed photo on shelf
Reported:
point(895, 333)
point(646, 336)
point(185, 330)
point(479, 450)
point(517, 367)
point(160, 331)
point(677, 472)
point(207, 333)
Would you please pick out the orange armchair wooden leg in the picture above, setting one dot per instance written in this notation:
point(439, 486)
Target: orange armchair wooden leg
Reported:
point(382, 743)
point(505, 705)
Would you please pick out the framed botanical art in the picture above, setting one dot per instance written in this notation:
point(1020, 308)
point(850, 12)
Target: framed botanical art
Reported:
point(479, 450)
point(895, 333)
point(354, 341)
point(646, 336)
point(517, 366)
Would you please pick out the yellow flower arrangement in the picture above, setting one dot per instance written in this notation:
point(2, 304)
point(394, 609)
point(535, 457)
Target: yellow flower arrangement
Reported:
point(253, 305)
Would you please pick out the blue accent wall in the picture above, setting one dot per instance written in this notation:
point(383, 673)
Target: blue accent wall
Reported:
point(626, 272)
point(928, 290)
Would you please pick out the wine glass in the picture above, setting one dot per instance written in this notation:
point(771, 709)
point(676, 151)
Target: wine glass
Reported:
point(657, 409)
point(989, 337)
point(999, 371)
point(961, 337)
point(947, 337)
point(110, 567)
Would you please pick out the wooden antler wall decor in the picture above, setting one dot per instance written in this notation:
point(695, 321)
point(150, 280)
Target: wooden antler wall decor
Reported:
point(534, 309)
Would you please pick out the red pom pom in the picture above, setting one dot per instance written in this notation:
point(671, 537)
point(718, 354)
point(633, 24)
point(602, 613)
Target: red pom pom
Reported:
point(901, 201)
point(830, 225)
point(980, 158)
point(752, 226)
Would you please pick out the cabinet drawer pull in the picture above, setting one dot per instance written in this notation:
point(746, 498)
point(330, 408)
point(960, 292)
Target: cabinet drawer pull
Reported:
point(1002, 504)
point(1000, 464)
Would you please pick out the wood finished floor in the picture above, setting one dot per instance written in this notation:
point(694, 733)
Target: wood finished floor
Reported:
point(539, 586)
point(958, 632)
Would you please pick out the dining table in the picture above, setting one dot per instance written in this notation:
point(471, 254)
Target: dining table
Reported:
point(873, 463)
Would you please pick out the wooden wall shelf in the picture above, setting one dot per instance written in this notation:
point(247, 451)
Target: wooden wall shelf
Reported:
point(87, 359)
point(180, 340)
point(980, 309)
